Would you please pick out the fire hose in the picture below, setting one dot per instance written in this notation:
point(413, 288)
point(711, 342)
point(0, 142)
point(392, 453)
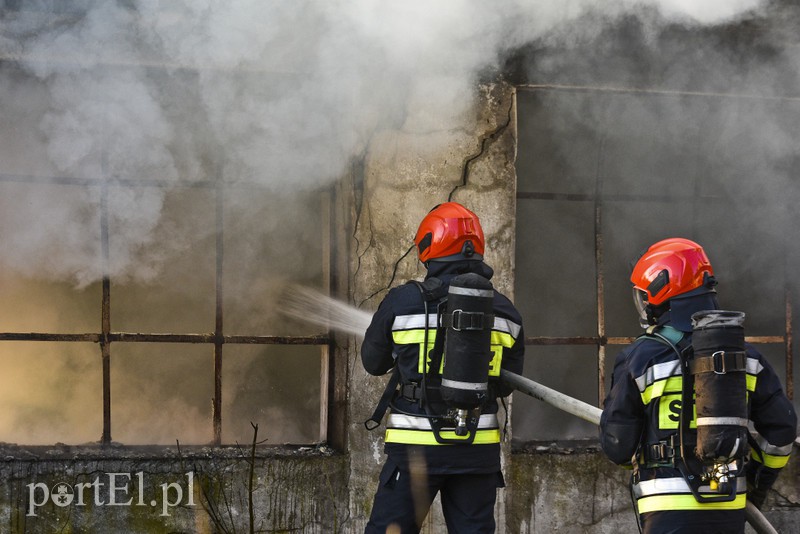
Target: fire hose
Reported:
point(590, 413)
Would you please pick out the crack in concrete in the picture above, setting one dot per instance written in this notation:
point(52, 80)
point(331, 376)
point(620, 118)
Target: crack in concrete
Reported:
point(484, 144)
point(391, 280)
point(358, 193)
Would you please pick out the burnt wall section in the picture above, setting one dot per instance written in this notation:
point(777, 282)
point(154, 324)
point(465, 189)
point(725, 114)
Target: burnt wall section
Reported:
point(202, 490)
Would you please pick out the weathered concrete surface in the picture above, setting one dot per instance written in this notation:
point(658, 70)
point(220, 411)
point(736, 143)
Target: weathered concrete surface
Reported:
point(560, 490)
point(550, 489)
point(142, 491)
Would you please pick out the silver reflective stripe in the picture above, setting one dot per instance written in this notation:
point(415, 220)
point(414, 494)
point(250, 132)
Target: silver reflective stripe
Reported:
point(413, 322)
point(410, 422)
point(660, 486)
point(471, 292)
point(509, 327)
point(754, 366)
point(732, 421)
point(673, 368)
point(471, 386)
point(774, 450)
point(657, 486)
point(658, 372)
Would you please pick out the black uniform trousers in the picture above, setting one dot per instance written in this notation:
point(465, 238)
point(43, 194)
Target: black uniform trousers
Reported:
point(404, 498)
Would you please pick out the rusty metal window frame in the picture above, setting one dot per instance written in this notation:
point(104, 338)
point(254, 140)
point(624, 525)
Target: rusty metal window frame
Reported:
point(105, 338)
point(602, 339)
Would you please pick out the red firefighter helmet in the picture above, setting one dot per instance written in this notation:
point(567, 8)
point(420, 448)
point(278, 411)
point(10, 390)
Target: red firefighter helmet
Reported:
point(450, 232)
point(670, 268)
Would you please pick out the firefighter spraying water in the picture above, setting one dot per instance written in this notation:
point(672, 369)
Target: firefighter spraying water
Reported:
point(444, 341)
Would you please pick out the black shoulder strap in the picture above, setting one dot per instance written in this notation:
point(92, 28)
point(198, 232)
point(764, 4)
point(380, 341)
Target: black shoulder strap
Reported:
point(377, 416)
point(431, 289)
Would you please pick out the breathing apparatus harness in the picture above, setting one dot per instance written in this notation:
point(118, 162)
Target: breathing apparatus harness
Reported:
point(461, 349)
point(713, 366)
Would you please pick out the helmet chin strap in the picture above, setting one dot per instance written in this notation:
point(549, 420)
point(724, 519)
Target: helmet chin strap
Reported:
point(652, 314)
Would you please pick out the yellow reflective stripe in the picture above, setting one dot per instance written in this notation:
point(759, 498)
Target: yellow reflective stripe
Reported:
point(426, 437)
point(408, 337)
point(499, 341)
point(770, 460)
point(751, 382)
point(659, 371)
point(658, 388)
point(669, 411)
point(675, 384)
point(656, 503)
point(420, 422)
point(412, 337)
point(502, 338)
point(497, 360)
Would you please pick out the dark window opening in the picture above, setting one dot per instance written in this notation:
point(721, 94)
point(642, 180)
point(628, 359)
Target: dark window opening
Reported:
point(602, 175)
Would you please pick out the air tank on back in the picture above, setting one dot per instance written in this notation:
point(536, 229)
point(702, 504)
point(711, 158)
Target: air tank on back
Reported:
point(468, 321)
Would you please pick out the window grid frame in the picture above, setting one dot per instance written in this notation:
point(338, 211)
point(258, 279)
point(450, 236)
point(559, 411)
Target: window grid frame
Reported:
point(602, 339)
point(105, 338)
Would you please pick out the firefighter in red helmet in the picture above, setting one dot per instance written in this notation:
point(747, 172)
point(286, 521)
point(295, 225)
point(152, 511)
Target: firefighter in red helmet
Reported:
point(442, 432)
point(687, 386)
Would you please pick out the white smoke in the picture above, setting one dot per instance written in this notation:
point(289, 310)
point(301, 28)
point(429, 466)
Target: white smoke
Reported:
point(708, 12)
point(281, 93)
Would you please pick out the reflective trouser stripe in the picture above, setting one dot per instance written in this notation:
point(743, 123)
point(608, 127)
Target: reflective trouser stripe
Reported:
point(775, 456)
point(412, 422)
point(674, 494)
point(401, 428)
point(687, 502)
point(426, 437)
point(770, 460)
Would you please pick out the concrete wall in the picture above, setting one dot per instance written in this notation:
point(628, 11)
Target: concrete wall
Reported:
point(153, 490)
point(549, 490)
